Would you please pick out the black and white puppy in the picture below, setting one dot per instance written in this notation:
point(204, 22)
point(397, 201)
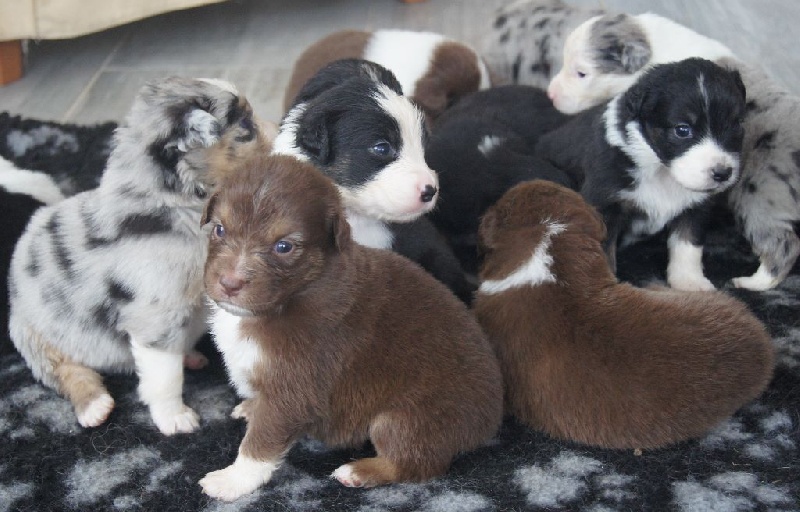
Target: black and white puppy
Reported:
point(481, 147)
point(110, 280)
point(352, 122)
point(656, 155)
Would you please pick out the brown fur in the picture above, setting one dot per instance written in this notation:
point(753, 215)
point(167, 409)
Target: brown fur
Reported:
point(345, 44)
point(452, 73)
point(604, 363)
point(358, 343)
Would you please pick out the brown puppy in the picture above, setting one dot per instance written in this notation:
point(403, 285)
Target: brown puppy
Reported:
point(332, 339)
point(589, 359)
point(432, 69)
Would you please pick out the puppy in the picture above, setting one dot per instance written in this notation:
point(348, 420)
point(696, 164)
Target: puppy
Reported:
point(433, 70)
point(111, 279)
point(588, 359)
point(524, 43)
point(481, 147)
point(22, 192)
point(656, 156)
point(352, 121)
point(606, 54)
point(342, 342)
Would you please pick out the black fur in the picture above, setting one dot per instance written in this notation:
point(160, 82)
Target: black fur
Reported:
point(471, 180)
point(664, 97)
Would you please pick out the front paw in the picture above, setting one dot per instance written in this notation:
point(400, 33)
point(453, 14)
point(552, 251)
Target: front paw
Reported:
point(180, 421)
point(242, 411)
point(690, 282)
point(242, 477)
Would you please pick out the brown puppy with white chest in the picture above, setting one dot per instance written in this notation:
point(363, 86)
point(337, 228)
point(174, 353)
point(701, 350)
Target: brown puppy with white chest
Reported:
point(325, 337)
point(592, 360)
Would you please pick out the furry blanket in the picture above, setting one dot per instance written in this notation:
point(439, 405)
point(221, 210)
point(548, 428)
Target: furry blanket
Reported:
point(750, 462)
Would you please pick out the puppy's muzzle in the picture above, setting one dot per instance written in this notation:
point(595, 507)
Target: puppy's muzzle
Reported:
point(231, 284)
point(428, 193)
point(721, 173)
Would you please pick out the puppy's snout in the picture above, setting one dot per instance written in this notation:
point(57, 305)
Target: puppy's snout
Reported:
point(721, 173)
point(231, 284)
point(428, 193)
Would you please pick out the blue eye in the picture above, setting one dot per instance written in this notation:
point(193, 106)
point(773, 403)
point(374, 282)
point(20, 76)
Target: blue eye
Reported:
point(283, 247)
point(383, 149)
point(683, 131)
point(219, 231)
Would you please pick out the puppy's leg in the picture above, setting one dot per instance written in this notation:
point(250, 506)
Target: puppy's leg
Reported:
point(84, 388)
point(685, 244)
point(404, 454)
point(778, 248)
point(262, 451)
point(161, 388)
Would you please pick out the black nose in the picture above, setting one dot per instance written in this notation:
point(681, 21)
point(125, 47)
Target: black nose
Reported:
point(428, 193)
point(721, 174)
point(232, 285)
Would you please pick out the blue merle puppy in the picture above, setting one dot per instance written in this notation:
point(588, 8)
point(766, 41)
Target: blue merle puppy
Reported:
point(110, 280)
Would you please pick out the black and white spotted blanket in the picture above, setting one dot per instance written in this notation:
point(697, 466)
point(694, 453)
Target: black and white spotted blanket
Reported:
point(750, 462)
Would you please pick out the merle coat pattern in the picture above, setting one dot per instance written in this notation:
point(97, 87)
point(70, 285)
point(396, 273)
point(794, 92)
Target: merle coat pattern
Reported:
point(110, 280)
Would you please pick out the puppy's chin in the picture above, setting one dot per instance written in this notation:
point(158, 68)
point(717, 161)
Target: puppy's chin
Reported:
point(235, 310)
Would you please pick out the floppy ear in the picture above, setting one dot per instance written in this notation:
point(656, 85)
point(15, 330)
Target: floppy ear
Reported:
point(487, 230)
point(208, 210)
point(633, 100)
point(313, 134)
point(588, 221)
point(340, 230)
point(200, 129)
point(635, 55)
point(737, 78)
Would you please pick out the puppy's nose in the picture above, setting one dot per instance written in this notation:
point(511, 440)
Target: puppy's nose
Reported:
point(721, 174)
point(231, 285)
point(428, 193)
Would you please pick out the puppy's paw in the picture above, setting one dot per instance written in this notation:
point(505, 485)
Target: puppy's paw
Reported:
point(347, 476)
point(242, 477)
point(760, 281)
point(194, 360)
point(96, 412)
point(690, 283)
point(170, 421)
point(242, 411)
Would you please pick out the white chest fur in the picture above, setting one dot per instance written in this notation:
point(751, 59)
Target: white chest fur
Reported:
point(370, 232)
point(240, 354)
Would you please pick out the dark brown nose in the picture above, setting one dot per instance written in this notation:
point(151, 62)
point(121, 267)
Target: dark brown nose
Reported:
point(721, 174)
point(231, 284)
point(428, 193)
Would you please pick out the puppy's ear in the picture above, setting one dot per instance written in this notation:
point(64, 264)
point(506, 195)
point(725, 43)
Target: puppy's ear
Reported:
point(623, 47)
point(313, 134)
point(635, 55)
point(339, 229)
point(200, 129)
point(587, 221)
point(487, 230)
point(737, 78)
point(633, 101)
point(208, 210)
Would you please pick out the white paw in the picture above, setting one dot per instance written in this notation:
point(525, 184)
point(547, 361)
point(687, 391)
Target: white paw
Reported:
point(97, 411)
point(347, 477)
point(179, 421)
point(240, 411)
point(760, 281)
point(691, 283)
point(242, 477)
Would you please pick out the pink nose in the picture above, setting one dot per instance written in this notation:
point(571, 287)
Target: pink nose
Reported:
point(231, 284)
point(428, 193)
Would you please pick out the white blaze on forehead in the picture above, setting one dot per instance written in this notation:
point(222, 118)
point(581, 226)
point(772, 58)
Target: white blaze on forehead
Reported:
point(222, 84)
point(408, 65)
point(409, 121)
point(534, 272)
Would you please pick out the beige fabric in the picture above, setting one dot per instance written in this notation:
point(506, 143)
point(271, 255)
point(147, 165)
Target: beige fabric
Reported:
point(59, 19)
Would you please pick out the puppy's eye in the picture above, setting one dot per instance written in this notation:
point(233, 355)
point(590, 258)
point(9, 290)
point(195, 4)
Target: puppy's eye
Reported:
point(581, 74)
point(219, 231)
point(383, 149)
point(247, 123)
point(283, 247)
point(683, 131)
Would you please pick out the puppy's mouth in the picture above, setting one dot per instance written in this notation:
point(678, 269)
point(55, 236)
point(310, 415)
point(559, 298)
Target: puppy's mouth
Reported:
point(234, 309)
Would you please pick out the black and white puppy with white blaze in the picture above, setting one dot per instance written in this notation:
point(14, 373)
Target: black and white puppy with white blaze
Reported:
point(656, 155)
point(352, 121)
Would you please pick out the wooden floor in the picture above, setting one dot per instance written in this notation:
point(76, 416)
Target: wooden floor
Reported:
point(254, 43)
